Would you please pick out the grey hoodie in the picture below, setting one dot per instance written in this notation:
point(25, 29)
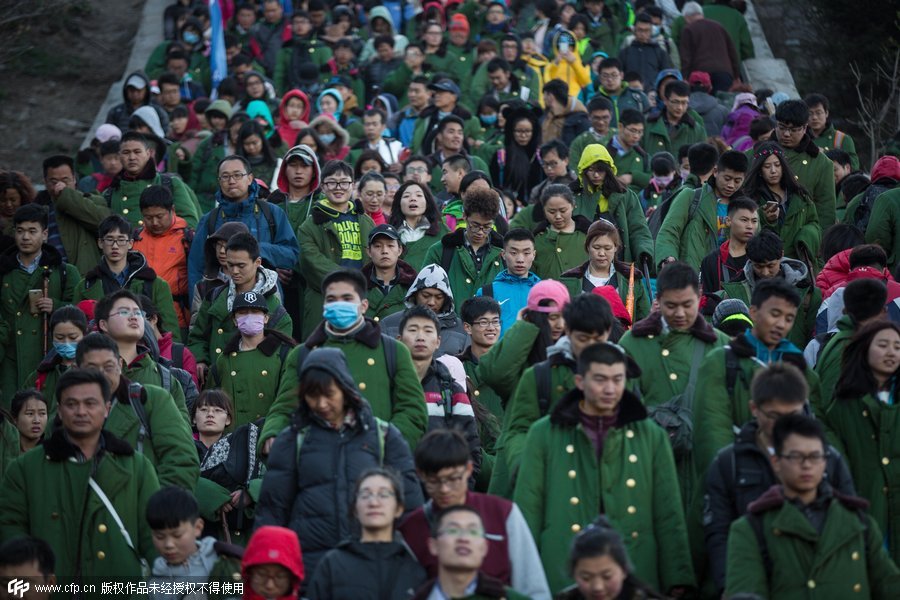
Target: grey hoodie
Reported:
point(266, 281)
point(793, 271)
point(195, 570)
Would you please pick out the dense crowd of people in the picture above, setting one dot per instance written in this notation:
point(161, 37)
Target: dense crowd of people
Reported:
point(464, 299)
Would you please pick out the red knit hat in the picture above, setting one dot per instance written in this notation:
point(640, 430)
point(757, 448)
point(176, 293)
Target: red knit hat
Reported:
point(458, 22)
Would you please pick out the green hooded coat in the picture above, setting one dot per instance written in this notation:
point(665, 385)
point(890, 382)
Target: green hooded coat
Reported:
point(800, 227)
point(465, 277)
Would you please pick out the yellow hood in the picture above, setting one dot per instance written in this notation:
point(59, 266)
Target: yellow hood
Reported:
point(593, 153)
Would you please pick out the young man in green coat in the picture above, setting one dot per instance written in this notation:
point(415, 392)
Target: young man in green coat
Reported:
point(632, 161)
point(381, 366)
point(884, 225)
point(823, 132)
point(722, 402)
point(30, 268)
point(696, 223)
point(813, 170)
point(304, 47)
point(250, 367)
point(603, 196)
point(471, 254)
point(47, 493)
point(388, 277)
point(215, 324)
point(676, 125)
point(765, 260)
point(801, 539)
point(334, 236)
point(589, 320)
point(120, 267)
point(138, 173)
point(597, 452)
point(145, 416)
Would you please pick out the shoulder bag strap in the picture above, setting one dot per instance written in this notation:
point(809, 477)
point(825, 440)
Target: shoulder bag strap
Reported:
point(699, 352)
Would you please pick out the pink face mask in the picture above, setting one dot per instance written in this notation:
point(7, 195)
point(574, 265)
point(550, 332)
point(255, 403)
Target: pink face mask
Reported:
point(664, 180)
point(252, 324)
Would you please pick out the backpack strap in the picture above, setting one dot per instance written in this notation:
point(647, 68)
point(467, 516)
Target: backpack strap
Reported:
point(756, 524)
point(166, 376)
point(266, 209)
point(732, 367)
point(695, 203)
point(301, 358)
point(487, 290)
point(839, 139)
point(390, 358)
point(447, 257)
point(543, 383)
point(383, 428)
point(137, 396)
point(301, 436)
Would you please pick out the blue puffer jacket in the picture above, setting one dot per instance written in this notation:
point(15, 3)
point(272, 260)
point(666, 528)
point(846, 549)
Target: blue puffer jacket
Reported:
point(310, 492)
point(512, 294)
point(281, 252)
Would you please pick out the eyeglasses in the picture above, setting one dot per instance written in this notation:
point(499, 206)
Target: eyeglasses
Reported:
point(436, 483)
point(797, 458)
point(366, 495)
point(335, 185)
point(484, 228)
point(119, 241)
point(126, 313)
point(784, 128)
point(226, 177)
point(610, 76)
point(634, 132)
point(416, 170)
point(474, 532)
point(485, 323)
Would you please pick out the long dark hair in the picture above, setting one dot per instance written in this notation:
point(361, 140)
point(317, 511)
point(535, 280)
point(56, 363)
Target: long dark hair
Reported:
point(754, 184)
point(610, 185)
point(856, 379)
point(520, 160)
point(431, 211)
point(251, 128)
point(544, 340)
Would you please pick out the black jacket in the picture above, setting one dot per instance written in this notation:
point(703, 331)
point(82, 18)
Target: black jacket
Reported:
point(309, 489)
point(739, 475)
point(366, 571)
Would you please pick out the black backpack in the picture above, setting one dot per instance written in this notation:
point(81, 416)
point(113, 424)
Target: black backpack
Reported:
point(656, 219)
point(866, 203)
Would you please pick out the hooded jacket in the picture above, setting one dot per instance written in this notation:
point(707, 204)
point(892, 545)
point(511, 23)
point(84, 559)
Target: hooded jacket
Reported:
point(286, 132)
point(568, 125)
point(381, 304)
point(400, 41)
point(213, 273)
point(454, 338)
point(297, 211)
point(358, 570)
point(713, 113)
point(273, 545)
point(120, 114)
point(309, 488)
point(511, 292)
point(342, 138)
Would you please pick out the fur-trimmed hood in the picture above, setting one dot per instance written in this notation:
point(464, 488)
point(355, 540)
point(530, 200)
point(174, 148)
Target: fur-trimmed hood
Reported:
point(566, 413)
point(653, 325)
point(58, 448)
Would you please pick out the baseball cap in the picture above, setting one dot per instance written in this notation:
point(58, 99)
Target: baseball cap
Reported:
point(700, 78)
point(551, 290)
point(445, 85)
point(341, 80)
point(136, 81)
point(250, 300)
point(386, 230)
point(107, 132)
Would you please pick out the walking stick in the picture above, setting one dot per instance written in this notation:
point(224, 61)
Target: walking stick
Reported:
point(45, 316)
point(646, 272)
point(629, 299)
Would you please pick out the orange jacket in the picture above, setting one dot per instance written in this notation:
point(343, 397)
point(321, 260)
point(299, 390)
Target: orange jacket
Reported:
point(167, 255)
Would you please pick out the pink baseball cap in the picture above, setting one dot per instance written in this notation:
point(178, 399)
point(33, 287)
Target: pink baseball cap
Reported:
point(548, 289)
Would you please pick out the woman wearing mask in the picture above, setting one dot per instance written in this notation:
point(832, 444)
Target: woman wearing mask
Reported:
point(864, 417)
point(29, 413)
point(415, 215)
point(335, 139)
point(382, 568)
point(249, 367)
point(314, 463)
point(785, 206)
point(491, 141)
point(559, 236)
point(67, 326)
point(602, 268)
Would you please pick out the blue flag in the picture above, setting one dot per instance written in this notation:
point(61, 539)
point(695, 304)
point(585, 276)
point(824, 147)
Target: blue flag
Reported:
point(217, 62)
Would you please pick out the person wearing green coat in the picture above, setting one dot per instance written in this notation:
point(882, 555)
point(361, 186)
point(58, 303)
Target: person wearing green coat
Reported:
point(632, 161)
point(602, 245)
point(676, 125)
point(304, 48)
point(602, 196)
point(471, 254)
point(597, 452)
point(381, 366)
point(862, 420)
point(722, 402)
point(823, 132)
point(812, 169)
point(138, 173)
point(785, 206)
point(559, 240)
point(541, 386)
point(388, 277)
point(250, 367)
point(47, 493)
point(696, 223)
point(77, 215)
point(801, 539)
point(32, 265)
point(205, 160)
point(884, 225)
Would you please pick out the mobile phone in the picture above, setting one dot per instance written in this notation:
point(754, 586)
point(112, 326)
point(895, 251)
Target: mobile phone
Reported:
point(563, 47)
point(771, 203)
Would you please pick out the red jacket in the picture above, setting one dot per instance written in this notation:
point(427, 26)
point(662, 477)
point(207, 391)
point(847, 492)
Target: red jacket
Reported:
point(893, 288)
point(188, 362)
point(273, 545)
point(834, 273)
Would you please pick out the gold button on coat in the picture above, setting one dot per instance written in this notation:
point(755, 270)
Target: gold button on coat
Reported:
point(220, 330)
point(634, 535)
point(101, 555)
point(234, 373)
point(218, 351)
point(811, 584)
point(855, 556)
point(572, 474)
point(570, 449)
point(885, 461)
point(631, 510)
point(857, 587)
point(264, 373)
point(665, 352)
point(124, 211)
point(362, 385)
point(632, 458)
point(101, 528)
point(629, 434)
point(673, 376)
point(573, 500)
point(370, 362)
point(576, 527)
point(468, 280)
point(630, 483)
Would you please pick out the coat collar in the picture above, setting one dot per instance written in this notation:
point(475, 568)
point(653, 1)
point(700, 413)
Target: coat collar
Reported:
point(58, 448)
point(270, 344)
point(582, 224)
point(653, 325)
point(50, 257)
point(774, 498)
point(369, 335)
point(455, 239)
point(485, 587)
point(566, 413)
point(406, 274)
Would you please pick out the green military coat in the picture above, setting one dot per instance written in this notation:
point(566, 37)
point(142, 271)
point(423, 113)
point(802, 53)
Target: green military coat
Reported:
point(21, 332)
point(804, 324)
point(636, 163)
point(45, 494)
point(816, 174)
point(658, 137)
point(576, 283)
point(382, 304)
point(399, 400)
point(124, 199)
point(799, 228)
point(77, 216)
point(846, 560)
point(563, 487)
point(251, 377)
point(831, 138)
point(503, 365)
point(828, 365)
point(689, 238)
point(884, 225)
point(414, 252)
point(465, 277)
point(169, 444)
point(555, 251)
